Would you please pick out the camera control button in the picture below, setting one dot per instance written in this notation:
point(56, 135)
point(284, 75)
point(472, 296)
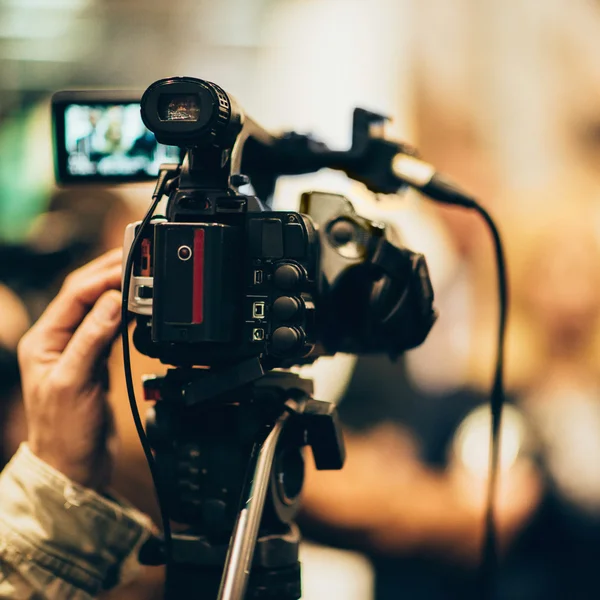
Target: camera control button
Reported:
point(285, 339)
point(285, 307)
point(287, 277)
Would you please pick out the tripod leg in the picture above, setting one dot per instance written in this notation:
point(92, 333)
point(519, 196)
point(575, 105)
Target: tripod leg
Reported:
point(245, 533)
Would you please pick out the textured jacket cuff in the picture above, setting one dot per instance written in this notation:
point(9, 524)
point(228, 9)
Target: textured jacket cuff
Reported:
point(51, 527)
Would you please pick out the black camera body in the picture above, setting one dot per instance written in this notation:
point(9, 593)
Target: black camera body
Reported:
point(223, 291)
point(221, 278)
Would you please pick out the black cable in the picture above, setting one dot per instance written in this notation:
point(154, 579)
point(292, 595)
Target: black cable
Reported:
point(446, 192)
point(489, 563)
point(156, 197)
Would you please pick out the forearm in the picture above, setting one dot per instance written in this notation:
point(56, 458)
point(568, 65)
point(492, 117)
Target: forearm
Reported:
point(386, 500)
point(386, 506)
point(60, 540)
point(391, 514)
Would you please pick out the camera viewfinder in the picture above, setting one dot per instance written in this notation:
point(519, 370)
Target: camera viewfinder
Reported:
point(179, 107)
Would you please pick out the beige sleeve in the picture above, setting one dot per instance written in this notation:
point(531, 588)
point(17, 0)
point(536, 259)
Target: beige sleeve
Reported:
point(59, 539)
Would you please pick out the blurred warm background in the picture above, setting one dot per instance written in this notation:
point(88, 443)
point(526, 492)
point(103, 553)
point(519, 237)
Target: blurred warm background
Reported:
point(502, 96)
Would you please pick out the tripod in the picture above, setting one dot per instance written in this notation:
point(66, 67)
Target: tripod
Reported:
point(228, 446)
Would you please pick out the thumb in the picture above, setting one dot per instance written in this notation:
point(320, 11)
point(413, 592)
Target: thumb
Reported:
point(91, 339)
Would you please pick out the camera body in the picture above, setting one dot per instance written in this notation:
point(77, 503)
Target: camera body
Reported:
point(221, 278)
point(220, 291)
point(241, 281)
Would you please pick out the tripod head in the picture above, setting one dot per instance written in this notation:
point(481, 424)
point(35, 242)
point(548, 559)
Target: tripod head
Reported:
point(245, 443)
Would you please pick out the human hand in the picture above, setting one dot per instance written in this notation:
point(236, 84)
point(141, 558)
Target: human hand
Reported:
point(63, 361)
point(395, 504)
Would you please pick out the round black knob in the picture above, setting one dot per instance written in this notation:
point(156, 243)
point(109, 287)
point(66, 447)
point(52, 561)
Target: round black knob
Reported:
point(287, 277)
point(285, 339)
point(285, 307)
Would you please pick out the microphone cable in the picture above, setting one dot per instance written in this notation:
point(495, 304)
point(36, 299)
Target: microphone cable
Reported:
point(423, 177)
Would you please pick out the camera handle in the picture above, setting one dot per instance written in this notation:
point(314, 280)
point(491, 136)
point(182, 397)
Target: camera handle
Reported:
point(232, 470)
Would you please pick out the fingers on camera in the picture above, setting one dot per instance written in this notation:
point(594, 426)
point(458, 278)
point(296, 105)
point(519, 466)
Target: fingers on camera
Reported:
point(92, 338)
point(80, 291)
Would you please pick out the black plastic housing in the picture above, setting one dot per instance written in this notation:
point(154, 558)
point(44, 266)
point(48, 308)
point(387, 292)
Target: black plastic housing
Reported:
point(222, 290)
point(197, 277)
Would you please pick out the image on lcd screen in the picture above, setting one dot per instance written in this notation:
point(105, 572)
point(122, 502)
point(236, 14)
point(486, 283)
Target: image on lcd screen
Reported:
point(111, 140)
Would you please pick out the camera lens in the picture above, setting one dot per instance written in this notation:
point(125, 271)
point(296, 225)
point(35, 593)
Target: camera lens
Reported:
point(179, 107)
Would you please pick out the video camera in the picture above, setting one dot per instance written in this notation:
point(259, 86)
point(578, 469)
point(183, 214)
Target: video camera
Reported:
point(221, 281)
point(222, 278)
